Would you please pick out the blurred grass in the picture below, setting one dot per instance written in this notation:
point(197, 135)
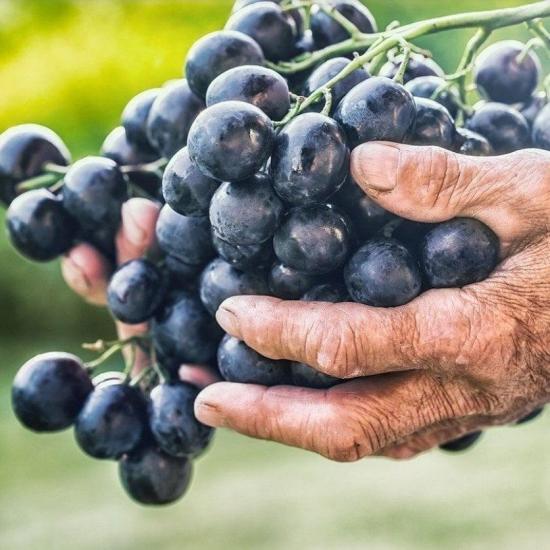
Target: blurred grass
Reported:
point(73, 65)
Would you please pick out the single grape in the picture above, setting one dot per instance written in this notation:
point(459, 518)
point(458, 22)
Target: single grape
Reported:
point(246, 212)
point(216, 53)
point(307, 377)
point(24, 150)
point(328, 292)
point(383, 273)
point(418, 66)
point(239, 363)
point(152, 477)
point(305, 44)
point(541, 129)
point(411, 234)
point(503, 127)
point(310, 160)
point(184, 237)
point(377, 109)
point(435, 87)
point(231, 141)
point(459, 252)
point(112, 422)
point(253, 84)
point(220, 281)
point(531, 109)
point(273, 29)
point(531, 416)
point(461, 444)
point(184, 332)
point(244, 257)
point(296, 14)
point(49, 391)
point(185, 188)
point(366, 216)
point(327, 31)
point(134, 120)
point(39, 227)
point(171, 116)
point(505, 73)
point(314, 239)
point(180, 275)
point(173, 423)
point(433, 126)
point(472, 144)
point(94, 192)
point(326, 72)
point(289, 284)
point(136, 291)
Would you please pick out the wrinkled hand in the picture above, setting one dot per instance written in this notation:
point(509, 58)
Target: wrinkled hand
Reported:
point(87, 272)
point(450, 362)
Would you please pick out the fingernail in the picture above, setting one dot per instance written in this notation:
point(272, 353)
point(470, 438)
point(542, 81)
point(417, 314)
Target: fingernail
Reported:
point(208, 412)
point(228, 320)
point(375, 165)
point(132, 228)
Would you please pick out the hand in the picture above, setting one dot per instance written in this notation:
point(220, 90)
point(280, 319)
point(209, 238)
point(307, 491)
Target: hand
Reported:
point(450, 362)
point(87, 272)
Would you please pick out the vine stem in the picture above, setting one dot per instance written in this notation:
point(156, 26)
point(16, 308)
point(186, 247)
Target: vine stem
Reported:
point(39, 182)
point(489, 20)
point(484, 21)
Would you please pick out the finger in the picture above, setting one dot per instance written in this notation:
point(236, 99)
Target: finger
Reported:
point(344, 423)
point(86, 272)
point(140, 358)
point(429, 184)
point(137, 232)
point(353, 340)
point(198, 375)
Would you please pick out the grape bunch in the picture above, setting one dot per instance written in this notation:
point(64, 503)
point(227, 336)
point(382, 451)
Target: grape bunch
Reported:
point(249, 154)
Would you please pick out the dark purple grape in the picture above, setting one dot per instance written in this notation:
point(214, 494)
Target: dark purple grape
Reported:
point(503, 126)
point(171, 116)
point(327, 31)
point(541, 129)
point(314, 239)
point(49, 391)
point(418, 66)
point(136, 291)
point(220, 281)
point(531, 109)
point(505, 74)
point(181, 275)
point(152, 477)
point(231, 141)
point(185, 188)
point(93, 194)
point(377, 109)
point(366, 216)
point(296, 14)
point(173, 423)
point(244, 257)
point(310, 160)
point(472, 144)
point(427, 86)
point(39, 227)
point(333, 293)
point(134, 120)
point(307, 377)
point(327, 71)
point(272, 28)
point(112, 422)
point(184, 332)
point(383, 273)
point(459, 252)
point(246, 212)
point(461, 444)
point(24, 150)
point(239, 363)
point(253, 84)
point(216, 53)
point(289, 284)
point(305, 44)
point(433, 126)
point(184, 237)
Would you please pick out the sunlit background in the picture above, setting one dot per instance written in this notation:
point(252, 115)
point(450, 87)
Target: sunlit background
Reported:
point(72, 65)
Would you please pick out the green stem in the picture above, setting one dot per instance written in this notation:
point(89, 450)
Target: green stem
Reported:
point(156, 166)
point(538, 28)
point(328, 102)
point(343, 21)
point(39, 182)
point(400, 75)
point(51, 168)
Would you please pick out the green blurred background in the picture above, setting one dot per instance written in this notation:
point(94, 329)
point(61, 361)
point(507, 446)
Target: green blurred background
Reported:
point(72, 65)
